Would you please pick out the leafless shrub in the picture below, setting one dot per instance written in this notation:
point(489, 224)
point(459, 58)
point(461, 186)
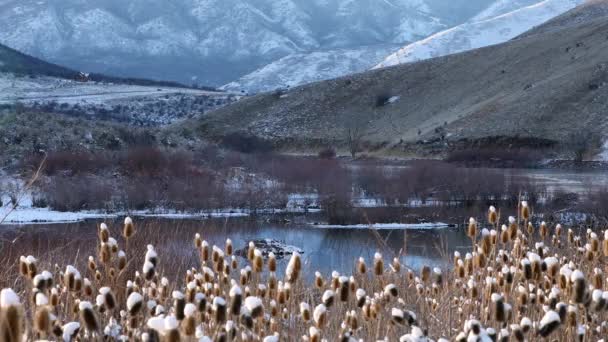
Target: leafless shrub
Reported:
point(327, 153)
point(582, 143)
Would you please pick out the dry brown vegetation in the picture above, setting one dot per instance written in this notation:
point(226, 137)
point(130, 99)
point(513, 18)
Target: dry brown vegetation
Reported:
point(519, 282)
point(148, 178)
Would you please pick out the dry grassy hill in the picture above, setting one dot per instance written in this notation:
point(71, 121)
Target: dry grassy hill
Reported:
point(533, 91)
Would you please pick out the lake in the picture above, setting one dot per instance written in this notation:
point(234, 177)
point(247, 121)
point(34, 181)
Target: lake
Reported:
point(324, 249)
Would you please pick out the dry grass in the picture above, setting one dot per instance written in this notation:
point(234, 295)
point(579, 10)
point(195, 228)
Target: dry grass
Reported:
point(520, 283)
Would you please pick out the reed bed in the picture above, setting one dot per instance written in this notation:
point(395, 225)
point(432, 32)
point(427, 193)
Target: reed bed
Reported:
point(518, 282)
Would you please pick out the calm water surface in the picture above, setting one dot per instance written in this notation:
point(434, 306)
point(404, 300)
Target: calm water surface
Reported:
point(324, 249)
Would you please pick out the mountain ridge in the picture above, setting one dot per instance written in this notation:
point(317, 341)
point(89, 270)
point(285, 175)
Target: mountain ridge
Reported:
point(533, 90)
point(211, 41)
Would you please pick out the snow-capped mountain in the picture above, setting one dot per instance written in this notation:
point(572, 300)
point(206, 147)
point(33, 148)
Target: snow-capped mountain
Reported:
point(301, 68)
point(213, 41)
point(502, 21)
point(499, 21)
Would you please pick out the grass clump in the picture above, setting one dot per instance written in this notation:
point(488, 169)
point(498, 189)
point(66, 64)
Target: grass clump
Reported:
point(519, 281)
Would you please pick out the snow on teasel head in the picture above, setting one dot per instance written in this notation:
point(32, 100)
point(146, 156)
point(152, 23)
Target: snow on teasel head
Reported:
point(128, 229)
point(293, 267)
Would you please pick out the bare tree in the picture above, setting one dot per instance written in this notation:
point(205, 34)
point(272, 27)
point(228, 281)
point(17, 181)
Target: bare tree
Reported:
point(583, 143)
point(354, 139)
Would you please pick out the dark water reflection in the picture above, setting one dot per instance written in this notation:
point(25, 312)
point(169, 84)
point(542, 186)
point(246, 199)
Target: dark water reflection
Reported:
point(325, 250)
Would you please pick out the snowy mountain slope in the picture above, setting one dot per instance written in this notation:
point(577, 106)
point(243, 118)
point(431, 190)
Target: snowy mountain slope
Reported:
point(483, 31)
point(501, 7)
point(500, 21)
point(530, 92)
point(301, 68)
point(215, 41)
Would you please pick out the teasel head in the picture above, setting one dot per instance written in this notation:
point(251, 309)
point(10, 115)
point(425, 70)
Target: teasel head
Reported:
point(23, 267)
point(70, 277)
point(505, 236)
point(231, 331)
point(530, 228)
point(201, 302)
point(425, 273)
point(315, 334)
point(69, 331)
point(12, 313)
point(460, 271)
point(468, 263)
point(335, 280)
point(128, 229)
point(526, 267)
point(258, 261)
point(255, 306)
point(605, 243)
point(43, 281)
point(104, 232)
point(30, 263)
point(396, 266)
point(437, 277)
point(287, 290)
point(472, 228)
point(320, 315)
point(500, 314)
point(122, 260)
point(598, 299)
point(88, 316)
point(378, 264)
point(570, 236)
point(293, 267)
point(305, 311)
point(492, 215)
point(105, 253)
point(397, 316)
point(328, 298)
point(272, 262)
point(236, 300)
point(148, 271)
point(219, 309)
point(197, 241)
point(571, 315)
point(54, 299)
point(472, 286)
point(42, 318)
point(551, 266)
point(204, 251)
point(456, 258)
point(171, 330)
point(151, 255)
point(361, 297)
point(281, 296)
point(512, 228)
point(525, 210)
point(274, 308)
point(486, 241)
point(250, 249)
point(233, 263)
point(598, 278)
point(361, 266)
point(579, 286)
point(189, 321)
point(135, 303)
point(390, 291)
point(179, 303)
point(319, 282)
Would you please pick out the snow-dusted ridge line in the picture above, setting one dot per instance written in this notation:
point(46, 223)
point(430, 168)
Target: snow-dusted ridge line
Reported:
point(481, 31)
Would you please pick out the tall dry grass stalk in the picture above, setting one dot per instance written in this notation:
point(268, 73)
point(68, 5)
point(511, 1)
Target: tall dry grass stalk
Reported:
point(518, 282)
